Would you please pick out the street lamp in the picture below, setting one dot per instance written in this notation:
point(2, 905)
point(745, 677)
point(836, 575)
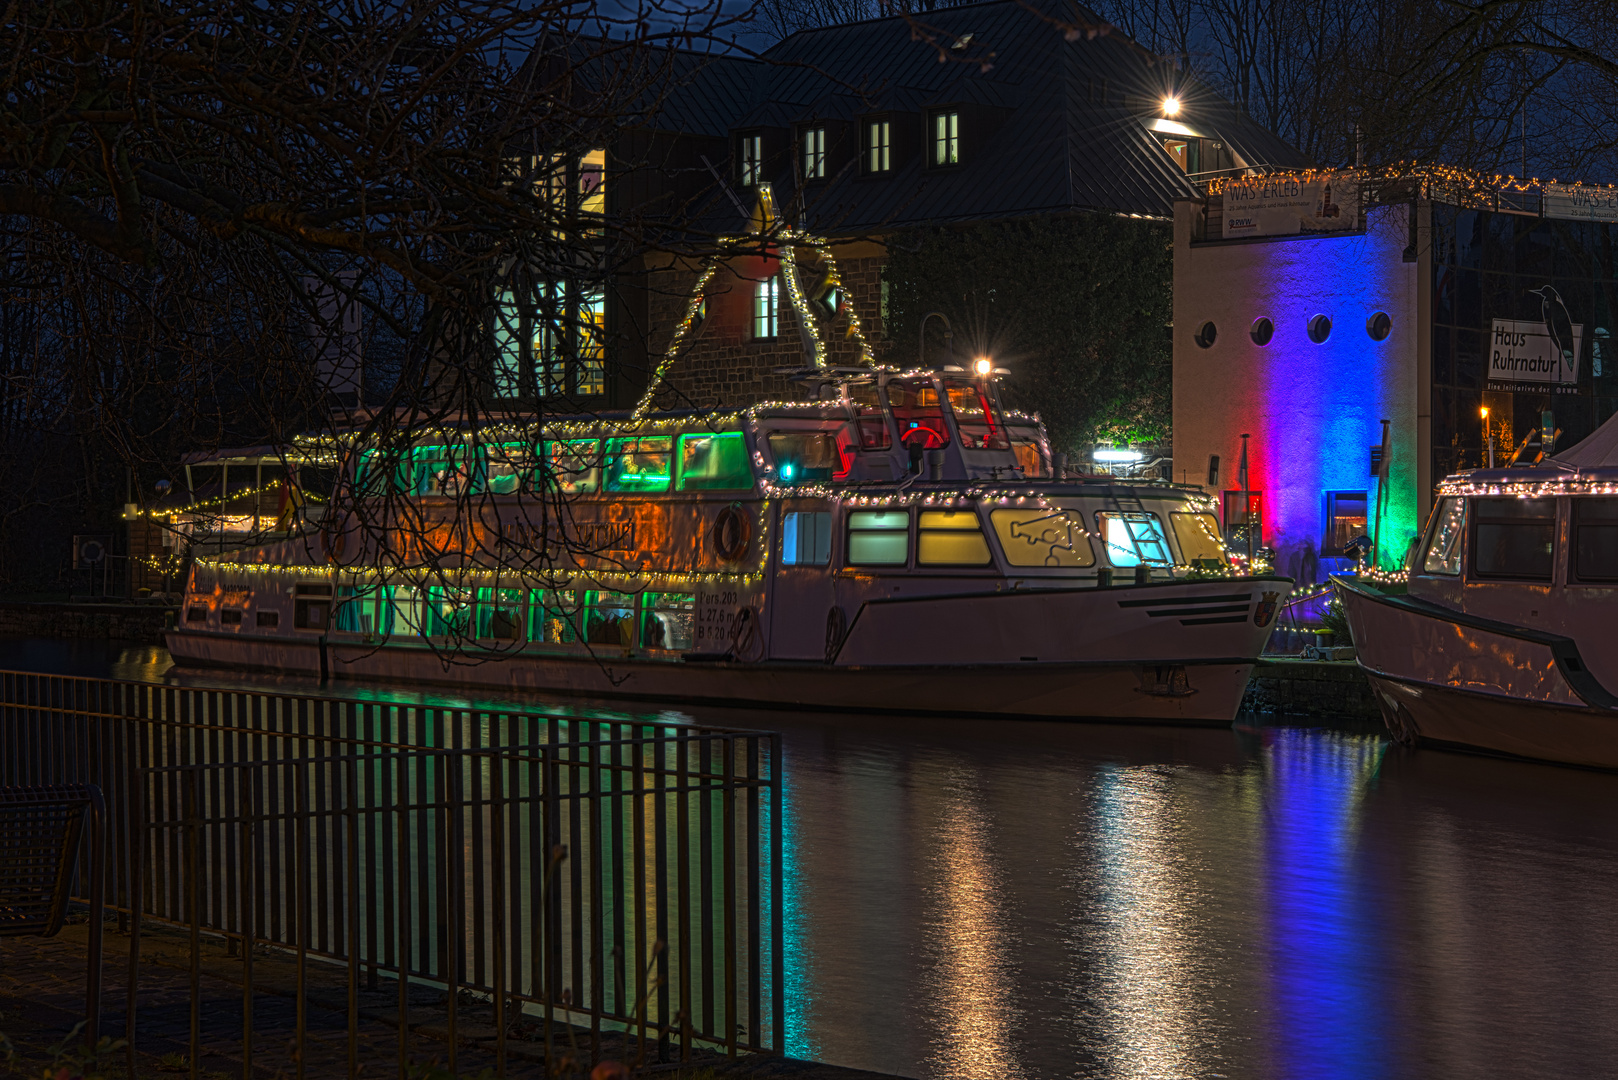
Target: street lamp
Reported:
point(1171, 106)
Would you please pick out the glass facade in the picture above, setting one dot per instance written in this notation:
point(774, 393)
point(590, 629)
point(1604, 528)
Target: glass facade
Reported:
point(1510, 291)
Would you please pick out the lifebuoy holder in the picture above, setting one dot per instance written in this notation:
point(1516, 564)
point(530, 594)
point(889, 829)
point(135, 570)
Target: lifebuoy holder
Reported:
point(731, 532)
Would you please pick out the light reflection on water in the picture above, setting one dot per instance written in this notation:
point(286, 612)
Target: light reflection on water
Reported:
point(980, 900)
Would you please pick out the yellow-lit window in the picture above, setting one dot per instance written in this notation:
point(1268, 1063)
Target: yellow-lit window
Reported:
point(592, 374)
point(593, 182)
point(951, 538)
point(1039, 536)
point(946, 138)
point(878, 146)
point(1198, 535)
point(814, 153)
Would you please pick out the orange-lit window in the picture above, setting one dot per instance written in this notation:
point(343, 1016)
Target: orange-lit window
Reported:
point(919, 413)
point(1244, 524)
point(976, 418)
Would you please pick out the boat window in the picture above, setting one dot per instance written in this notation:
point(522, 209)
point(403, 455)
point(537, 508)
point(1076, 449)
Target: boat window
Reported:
point(1198, 534)
point(1030, 459)
point(1513, 538)
point(951, 538)
point(554, 617)
point(508, 468)
point(363, 610)
point(714, 462)
point(1595, 539)
point(639, 464)
point(442, 470)
point(609, 619)
point(1444, 546)
point(1043, 536)
point(919, 412)
point(196, 613)
point(806, 538)
point(668, 621)
point(371, 476)
point(878, 537)
point(267, 620)
point(862, 398)
point(575, 465)
point(1132, 539)
point(806, 455)
point(230, 617)
point(976, 418)
point(407, 617)
point(449, 612)
point(499, 614)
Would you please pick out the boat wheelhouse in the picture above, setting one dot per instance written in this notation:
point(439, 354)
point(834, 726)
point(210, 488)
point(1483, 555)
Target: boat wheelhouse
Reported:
point(1500, 636)
point(898, 542)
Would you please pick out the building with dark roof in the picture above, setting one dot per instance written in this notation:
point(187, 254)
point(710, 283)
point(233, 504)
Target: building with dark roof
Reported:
point(985, 112)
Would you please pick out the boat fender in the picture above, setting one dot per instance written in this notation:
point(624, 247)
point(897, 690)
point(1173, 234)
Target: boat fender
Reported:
point(743, 634)
point(836, 627)
point(731, 532)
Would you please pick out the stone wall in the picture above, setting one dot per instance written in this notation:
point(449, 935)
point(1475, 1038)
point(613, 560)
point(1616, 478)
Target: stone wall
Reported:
point(1334, 688)
point(133, 622)
point(721, 363)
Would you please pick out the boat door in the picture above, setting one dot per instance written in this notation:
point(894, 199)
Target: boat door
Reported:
point(801, 586)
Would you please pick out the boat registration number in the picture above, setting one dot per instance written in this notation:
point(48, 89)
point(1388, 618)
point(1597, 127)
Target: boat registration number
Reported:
point(716, 615)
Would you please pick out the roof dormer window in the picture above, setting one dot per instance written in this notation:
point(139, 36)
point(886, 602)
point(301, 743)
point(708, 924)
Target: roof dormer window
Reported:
point(878, 146)
point(814, 153)
point(750, 160)
point(946, 137)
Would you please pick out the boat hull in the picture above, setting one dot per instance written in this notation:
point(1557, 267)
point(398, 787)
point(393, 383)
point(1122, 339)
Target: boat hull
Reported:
point(1445, 678)
point(1192, 691)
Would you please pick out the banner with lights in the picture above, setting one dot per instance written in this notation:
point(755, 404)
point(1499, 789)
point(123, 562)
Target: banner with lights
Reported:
point(1291, 205)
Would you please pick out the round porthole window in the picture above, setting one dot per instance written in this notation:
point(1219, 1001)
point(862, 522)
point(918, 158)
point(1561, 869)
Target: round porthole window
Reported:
point(1379, 326)
point(1205, 337)
point(1319, 329)
point(1261, 333)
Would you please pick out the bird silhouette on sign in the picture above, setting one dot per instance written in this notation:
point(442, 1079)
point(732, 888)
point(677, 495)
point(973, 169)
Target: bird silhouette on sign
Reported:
point(1559, 325)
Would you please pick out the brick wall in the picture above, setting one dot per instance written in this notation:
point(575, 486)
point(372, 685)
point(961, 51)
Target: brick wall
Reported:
point(134, 622)
point(722, 364)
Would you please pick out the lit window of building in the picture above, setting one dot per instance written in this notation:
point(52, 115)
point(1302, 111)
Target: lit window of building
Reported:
point(814, 153)
point(878, 146)
point(1346, 520)
point(592, 368)
point(593, 182)
point(507, 347)
point(947, 138)
point(767, 308)
point(752, 160)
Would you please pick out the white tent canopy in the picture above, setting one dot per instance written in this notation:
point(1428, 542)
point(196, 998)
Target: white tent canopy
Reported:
point(1600, 450)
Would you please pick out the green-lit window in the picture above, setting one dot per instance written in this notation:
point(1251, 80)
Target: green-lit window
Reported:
point(950, 538)
point(714, 462)
point(449, 612)
point(500, 614)
point(668, 621)
point(609, 619)
point(408, 618)
point(553, 616)
point(508, 468)
point(574, 466)
point(879, 538)
point(639, 464)
point(444, 470)
point(364, 610)
point(372, 473)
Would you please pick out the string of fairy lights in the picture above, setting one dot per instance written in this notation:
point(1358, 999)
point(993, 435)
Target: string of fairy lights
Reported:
point(1454, 180)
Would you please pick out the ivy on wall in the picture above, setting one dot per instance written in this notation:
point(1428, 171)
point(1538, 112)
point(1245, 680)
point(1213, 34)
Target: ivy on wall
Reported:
point(1077, 308)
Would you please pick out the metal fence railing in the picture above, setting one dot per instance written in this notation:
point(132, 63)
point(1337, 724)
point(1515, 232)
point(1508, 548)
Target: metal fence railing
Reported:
point(602, 875)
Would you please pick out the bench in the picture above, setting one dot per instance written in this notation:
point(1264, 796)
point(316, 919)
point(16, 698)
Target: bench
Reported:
point(41, 831)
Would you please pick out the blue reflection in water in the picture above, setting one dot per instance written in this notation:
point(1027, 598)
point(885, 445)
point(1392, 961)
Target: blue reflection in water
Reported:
point(1328, 1018)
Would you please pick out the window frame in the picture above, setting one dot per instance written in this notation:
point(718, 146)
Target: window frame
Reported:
point(944, 137)
point(812, 152)
point(1476, 518)
point(767, 313)
point(908, 532)
point(1127, 516)
point(1430, 534)
point(975, 528)
point(750, 165)
point(1326, 546)
point(869, 146)
point(1575, 574)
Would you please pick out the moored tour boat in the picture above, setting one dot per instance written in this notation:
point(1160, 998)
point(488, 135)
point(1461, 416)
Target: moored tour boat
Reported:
point(1505, 638)
point(898, 543)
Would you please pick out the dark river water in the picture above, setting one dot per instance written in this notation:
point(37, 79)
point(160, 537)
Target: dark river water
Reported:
point(989, 899)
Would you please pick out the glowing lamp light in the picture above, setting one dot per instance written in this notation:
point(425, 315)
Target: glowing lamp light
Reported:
point(1171, 106)
point(786, 472)
point(983, 365)
point(1114, 455)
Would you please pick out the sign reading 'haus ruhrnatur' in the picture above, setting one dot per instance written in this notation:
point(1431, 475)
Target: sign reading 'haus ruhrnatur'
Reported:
point(1531, 356)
